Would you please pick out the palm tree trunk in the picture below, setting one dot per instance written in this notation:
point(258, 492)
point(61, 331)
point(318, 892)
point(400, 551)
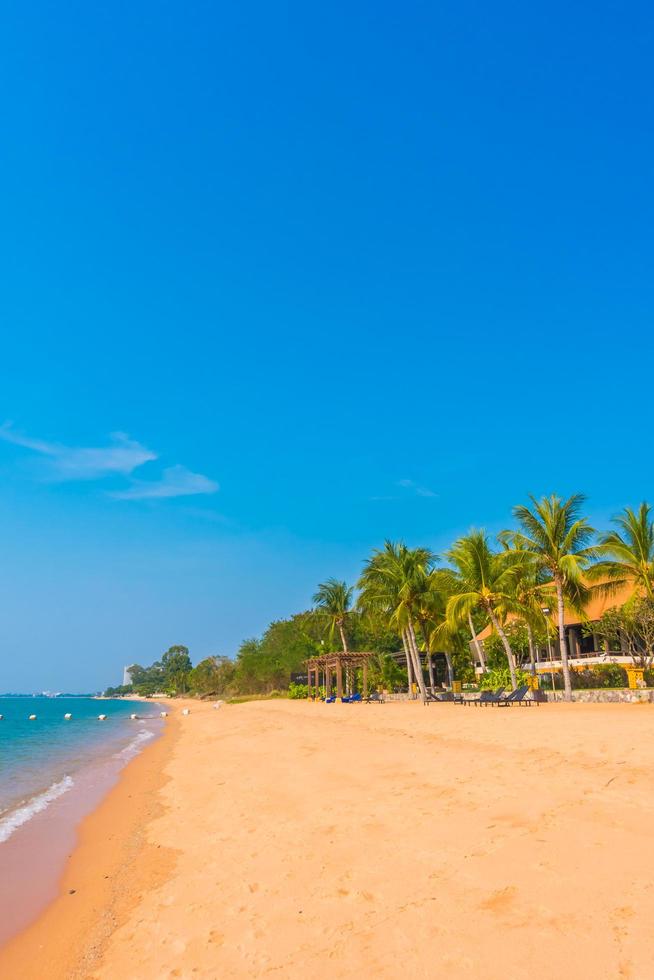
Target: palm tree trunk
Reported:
point(450, 668)
point(409, 668)
point(507, 646)
point(430, 663)
point(416, 658)
point(478, 646)
point(532, 656)
point(343, 640)
point(563, 643)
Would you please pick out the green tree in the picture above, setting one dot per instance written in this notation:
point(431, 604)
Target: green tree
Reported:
point(392, 582)
point(147, 681)
point(266, 663)
point(333, 601)
point(627, 554)
point(485, 582)
point(557, 538)
point(213, 675)
point(176, 665)
point(630, 626)
point(439, 633)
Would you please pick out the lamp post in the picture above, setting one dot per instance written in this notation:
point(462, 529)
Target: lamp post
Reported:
point(545, 610)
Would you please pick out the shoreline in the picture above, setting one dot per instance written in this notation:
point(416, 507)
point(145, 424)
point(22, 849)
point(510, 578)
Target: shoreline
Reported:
point(94, 890)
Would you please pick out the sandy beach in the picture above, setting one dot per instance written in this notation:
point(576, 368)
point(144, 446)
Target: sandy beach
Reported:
point(292, 839)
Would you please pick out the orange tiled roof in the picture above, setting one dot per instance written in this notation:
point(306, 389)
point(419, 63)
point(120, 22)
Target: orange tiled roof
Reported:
point(597, 606)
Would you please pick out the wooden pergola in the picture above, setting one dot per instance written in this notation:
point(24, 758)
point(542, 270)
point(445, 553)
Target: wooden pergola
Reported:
point(332, 665)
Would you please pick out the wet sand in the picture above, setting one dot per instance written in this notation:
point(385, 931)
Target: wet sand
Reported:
point(292, 839)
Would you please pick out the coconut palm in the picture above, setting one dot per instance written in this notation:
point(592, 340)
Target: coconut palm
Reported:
point(558, 539)
point(430, 611)
point(629, 551)
point(532, 591)
point(392, 582)
point(485, 583)
point(333, 600)
point(438, 631)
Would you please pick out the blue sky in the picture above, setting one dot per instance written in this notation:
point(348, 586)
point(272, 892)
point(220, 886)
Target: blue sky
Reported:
point(280, 282)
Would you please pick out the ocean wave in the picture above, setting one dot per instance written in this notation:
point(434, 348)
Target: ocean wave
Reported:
point(16, 818)
point(134, 747)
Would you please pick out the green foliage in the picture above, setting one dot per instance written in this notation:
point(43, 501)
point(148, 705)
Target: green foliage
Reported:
point(119, 692)
point(518, 636)
point(297, 691)
point(384, 673)
point(333, 601)
point(176, 665)
point(627, 554)
point(598, 676)
point(631, 625)
point(168, 675)
point(212, 676)
point(267, 663)
point(501, 677)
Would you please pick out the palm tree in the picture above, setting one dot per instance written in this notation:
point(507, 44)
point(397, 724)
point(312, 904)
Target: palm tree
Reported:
point(558, 539)
point(392, 582)
point(629, 551)
point(437, 631)
point(486, 583)
point(532, 592)
point(431, 608)
point(333, 600)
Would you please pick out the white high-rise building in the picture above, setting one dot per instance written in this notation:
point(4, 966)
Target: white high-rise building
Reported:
point(127, 675)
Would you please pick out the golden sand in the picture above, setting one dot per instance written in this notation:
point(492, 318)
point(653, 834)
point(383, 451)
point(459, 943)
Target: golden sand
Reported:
point(297, 840)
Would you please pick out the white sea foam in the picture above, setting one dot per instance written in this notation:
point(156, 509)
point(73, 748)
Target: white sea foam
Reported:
point(134, 747)
point(16, 818)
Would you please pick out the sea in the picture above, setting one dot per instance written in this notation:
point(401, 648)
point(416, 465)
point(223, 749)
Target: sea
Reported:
point(53, 771)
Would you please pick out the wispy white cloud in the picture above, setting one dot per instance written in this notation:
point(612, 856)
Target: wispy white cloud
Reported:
point(416, 488)
point(176, 481)
point(122, 456)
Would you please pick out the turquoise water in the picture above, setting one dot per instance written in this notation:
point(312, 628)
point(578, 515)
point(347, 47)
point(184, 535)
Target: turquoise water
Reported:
point(39, 759)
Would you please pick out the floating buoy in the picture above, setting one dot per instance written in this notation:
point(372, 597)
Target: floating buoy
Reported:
point(32, 718)
point(186, 711)
point(102, 717)
point(134, 717)
point(67, 716)
point(164, 714)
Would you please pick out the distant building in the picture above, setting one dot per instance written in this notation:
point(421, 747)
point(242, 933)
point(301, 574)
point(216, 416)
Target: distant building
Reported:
point(127, 675)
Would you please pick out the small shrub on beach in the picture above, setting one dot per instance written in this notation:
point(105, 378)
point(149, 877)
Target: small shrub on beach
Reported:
point(298, 691)
point(500, 677)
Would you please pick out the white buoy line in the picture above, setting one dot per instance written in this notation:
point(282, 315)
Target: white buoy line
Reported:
point(133, 717)
point(68, 716)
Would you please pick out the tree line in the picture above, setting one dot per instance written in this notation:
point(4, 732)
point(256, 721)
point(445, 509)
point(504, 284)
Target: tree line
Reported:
point(516, 584)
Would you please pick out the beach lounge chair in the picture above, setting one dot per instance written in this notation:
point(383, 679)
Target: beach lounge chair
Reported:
point(445, 696)
point(352, 699)
point(515, 697)
point(374, 698)
point(486, 697)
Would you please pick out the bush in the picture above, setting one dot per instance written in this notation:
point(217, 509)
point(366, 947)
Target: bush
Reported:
point(500, 677)
point(597, 676)
point(298, 691)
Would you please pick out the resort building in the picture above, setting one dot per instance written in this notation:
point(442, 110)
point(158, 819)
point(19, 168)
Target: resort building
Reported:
point(585, 648)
